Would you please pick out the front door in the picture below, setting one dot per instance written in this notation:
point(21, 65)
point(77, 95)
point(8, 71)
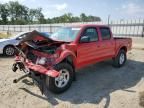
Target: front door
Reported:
point(88, 47)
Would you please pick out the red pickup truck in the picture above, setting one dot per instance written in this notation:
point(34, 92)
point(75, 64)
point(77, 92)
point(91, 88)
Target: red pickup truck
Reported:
point(54, 60)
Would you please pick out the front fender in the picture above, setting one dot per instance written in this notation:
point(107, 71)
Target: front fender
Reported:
point(66, 54)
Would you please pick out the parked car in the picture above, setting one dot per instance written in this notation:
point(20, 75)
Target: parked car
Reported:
point(7, 45)
point(53, 61)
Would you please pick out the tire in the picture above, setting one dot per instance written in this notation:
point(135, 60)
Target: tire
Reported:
point(120, 59)
point(53, 84)
point(9, 51)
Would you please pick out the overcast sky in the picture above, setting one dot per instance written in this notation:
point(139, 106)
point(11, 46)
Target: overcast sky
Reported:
point(118, 9)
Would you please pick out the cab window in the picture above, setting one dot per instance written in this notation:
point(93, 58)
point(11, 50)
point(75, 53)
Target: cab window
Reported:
point(105, 33)
point(90, 33)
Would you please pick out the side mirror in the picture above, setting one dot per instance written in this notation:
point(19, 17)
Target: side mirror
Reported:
point(84, 39)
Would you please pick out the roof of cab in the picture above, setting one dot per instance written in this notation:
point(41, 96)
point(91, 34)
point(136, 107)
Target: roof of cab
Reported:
point(88, 25)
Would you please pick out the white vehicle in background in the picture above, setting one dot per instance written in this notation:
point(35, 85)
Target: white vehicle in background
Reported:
point(7, 45)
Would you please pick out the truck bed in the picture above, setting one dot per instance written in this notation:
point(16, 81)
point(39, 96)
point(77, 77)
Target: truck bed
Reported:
point(127, 42)
point(121, 38)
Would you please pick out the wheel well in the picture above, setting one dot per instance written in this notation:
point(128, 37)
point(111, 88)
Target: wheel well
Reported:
point(124, 48)
point(69, 60)
point(7, 46)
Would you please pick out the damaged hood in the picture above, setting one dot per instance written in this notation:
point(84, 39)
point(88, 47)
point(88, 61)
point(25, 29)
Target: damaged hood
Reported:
point(36, 36)
point(38, 40)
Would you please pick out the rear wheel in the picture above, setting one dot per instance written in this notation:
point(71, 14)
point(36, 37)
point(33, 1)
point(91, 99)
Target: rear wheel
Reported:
point(63, 81)
point(9, 51)
point(120, 59)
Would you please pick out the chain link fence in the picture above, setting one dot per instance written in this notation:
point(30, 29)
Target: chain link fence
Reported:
point(127, 28)
point(130, 28)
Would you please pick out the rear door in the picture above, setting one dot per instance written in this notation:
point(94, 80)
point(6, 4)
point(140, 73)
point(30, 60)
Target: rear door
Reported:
point(87, 51)
point(107, 44)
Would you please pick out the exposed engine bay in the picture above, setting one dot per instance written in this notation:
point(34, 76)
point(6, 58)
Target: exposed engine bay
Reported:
point(39, 49)
point(37, 53)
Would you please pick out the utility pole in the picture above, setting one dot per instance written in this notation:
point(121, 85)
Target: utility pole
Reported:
point(109, 19)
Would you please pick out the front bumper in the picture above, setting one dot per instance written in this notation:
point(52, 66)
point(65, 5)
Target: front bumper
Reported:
point(42, 70)
point(29, 66)
point(36, 72)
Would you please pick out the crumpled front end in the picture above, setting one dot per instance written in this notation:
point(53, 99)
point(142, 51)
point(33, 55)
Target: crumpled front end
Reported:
point(37, 54)
point(29, 66)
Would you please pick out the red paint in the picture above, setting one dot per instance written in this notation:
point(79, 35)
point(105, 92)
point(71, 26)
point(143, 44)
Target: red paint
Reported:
point(83, 54)
point(38, 68)
point(42, 69)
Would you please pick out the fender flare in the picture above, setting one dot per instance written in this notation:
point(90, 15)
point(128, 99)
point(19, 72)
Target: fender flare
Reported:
point(66, 54)
point(121, 47)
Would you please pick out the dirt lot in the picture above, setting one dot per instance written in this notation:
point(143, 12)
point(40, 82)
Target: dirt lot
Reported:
point(97, 86)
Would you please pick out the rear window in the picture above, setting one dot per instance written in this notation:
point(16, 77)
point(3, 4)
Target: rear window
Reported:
point(105, 33)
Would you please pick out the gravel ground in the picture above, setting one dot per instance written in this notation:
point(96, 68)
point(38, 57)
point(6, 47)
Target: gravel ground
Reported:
point(97, 86)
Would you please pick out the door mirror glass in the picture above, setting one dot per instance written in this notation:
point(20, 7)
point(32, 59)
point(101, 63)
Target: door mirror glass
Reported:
point(85, 39)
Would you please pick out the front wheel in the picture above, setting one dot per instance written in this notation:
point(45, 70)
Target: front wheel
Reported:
point(63, 81)
point(120, 59)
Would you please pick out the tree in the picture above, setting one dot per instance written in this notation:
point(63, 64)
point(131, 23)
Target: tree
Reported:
point(76, 19)
point(4, 13)
point(83, 17)
point(93, 18)
point(36, 15)
point(16, 13)
point(89, 18)
point(39, 15)
point(42, 20)
point(31, 15)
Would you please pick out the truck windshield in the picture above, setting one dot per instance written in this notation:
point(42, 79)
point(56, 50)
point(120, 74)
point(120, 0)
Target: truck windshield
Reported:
point(67, 34)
